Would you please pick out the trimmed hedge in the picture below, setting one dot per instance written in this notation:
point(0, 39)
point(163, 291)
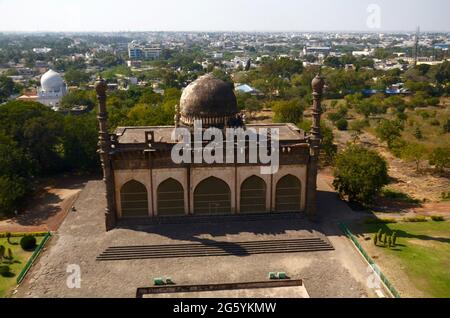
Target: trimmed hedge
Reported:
point(35, 234)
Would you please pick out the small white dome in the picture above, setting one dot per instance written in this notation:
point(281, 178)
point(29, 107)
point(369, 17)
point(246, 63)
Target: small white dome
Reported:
point(52, 82)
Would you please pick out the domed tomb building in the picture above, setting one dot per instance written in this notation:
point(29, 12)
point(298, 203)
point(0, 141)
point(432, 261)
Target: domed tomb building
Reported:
point(52, 89)
point(145, 184)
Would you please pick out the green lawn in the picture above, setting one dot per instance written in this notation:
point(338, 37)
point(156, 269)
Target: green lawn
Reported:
point(20, 258)
point(423, 252)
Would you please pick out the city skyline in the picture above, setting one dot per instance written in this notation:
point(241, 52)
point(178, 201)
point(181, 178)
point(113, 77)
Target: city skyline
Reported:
point(244, 15)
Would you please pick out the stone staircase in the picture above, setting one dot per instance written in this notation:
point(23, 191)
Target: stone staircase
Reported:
point(122, 253)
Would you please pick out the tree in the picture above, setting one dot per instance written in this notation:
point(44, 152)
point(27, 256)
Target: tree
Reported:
point(360, 174)
point(388, 131)
point(328, 148)
point(415, 153)
point(80, 143)
point(375, 239)
point(440, 158)
point(443, 73)
point(76, 77)
point(6, 88)
point(342, 124)
point(288, 111)
point(252, 105)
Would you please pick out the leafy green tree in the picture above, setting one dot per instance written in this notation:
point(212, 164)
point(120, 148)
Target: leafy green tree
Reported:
point(328, 147)
point(388, 131)
point(76, 77)
point(440, 158)
point(252, 105)
point(360, 174)
point(288, 111)
point(6, 88)
point(415, 153)
point(342, 124)
point(443, 73)
point(80, 143)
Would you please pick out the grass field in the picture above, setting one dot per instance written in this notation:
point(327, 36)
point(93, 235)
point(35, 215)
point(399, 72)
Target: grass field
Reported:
point(423, 254)
point(20, 258)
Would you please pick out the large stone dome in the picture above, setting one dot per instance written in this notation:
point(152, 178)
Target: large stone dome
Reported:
point(52, 82)
point(210, 100)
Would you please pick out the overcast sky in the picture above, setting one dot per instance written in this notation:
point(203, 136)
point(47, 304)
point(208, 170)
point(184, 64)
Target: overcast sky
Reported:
point(226, 15)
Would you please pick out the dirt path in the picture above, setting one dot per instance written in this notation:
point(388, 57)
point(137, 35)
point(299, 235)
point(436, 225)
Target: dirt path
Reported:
point(48, 209)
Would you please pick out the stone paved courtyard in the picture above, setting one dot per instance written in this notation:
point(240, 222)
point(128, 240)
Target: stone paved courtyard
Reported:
point(338, 273)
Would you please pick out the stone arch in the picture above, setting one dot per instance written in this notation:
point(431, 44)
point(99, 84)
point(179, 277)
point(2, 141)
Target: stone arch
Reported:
point(253, 195)
point(170, 198)
point(288, 194)
point(212, 196)
point(134, 199)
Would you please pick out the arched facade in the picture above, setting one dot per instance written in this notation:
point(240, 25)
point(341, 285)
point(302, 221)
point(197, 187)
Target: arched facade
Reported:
point(212, 196)
point(134, 200)
point(288, 195)
point(170, 198)
point(253, 195)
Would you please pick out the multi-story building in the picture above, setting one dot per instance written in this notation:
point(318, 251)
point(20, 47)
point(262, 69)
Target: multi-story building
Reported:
point(137, 51)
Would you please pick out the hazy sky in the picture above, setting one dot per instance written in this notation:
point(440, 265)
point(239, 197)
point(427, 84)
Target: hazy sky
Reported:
point(213, 15)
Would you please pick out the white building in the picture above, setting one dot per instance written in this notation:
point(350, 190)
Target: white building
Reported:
point(52, 89)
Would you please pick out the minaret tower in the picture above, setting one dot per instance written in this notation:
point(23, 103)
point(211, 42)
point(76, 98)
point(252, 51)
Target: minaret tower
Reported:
point(315, 141)
point(105, 151)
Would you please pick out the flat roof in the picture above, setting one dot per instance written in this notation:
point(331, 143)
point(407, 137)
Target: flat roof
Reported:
point(163, 134)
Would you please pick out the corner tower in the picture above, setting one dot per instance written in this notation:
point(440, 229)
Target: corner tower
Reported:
point(315, 141)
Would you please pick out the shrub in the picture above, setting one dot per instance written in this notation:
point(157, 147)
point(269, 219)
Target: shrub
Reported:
point(437, 218)
point(418, 133)
point(28, 243)
point(380, 235)
point(359, 125)
point(360, 174)
point(415, 219)
point(446, 127)
point(435, 122)
point(394, 239)
point(380, 221)
point(445, 196)
point(5, 271)
point(342, 124)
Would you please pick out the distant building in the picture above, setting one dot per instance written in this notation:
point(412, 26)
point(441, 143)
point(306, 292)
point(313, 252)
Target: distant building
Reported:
point(366, 53)
point(316, 50)
point(134, 63)
point(42, 50)
point(247, 89)
point(138, 51)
